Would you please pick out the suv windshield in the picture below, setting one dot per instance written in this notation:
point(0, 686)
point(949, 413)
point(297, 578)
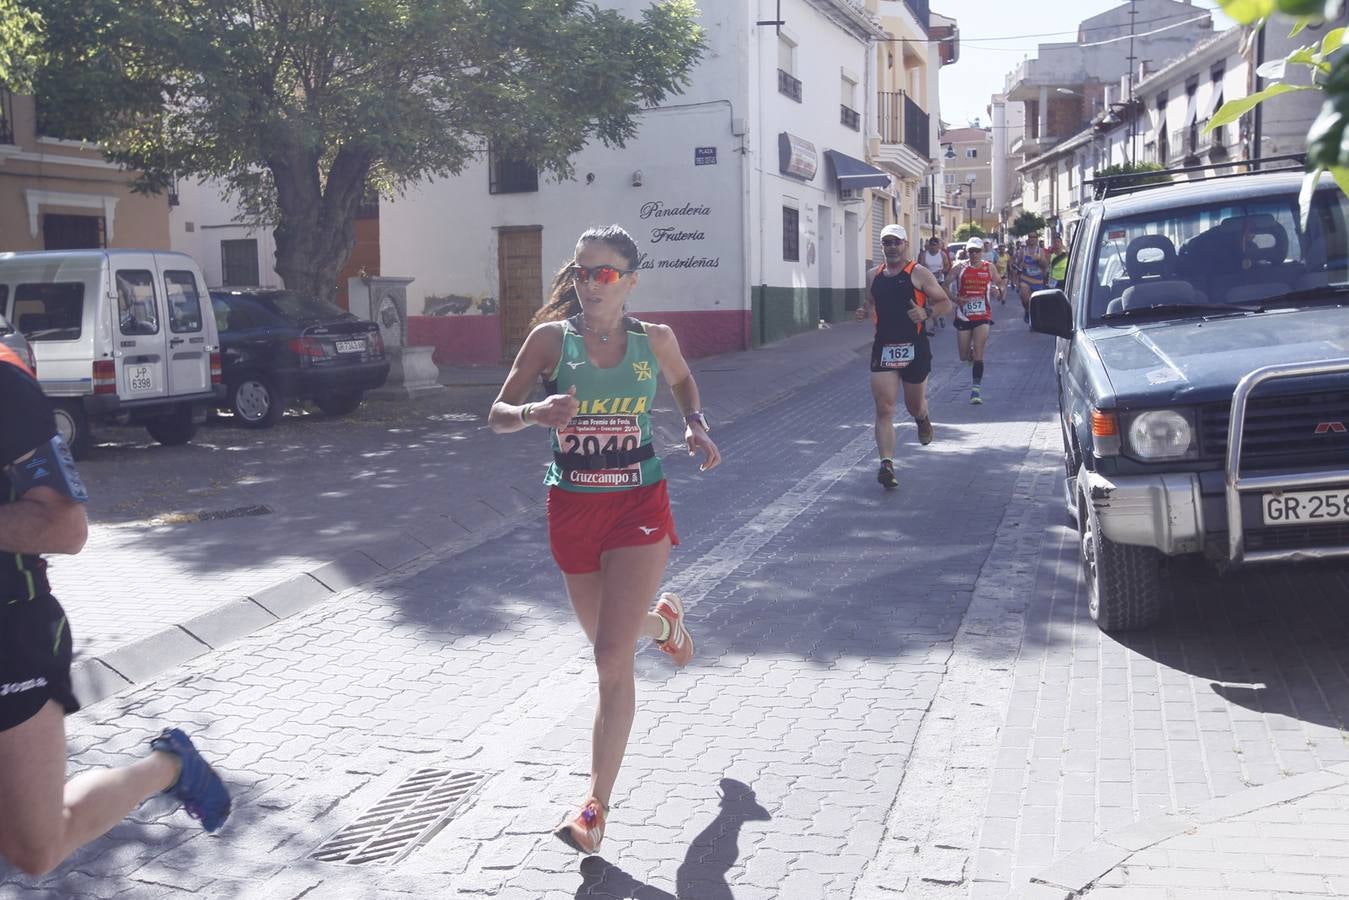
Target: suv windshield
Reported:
point(1225, 256)
point(295, 307)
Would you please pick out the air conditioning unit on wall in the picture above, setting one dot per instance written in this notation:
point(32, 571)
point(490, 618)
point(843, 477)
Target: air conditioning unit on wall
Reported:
point(851, 195)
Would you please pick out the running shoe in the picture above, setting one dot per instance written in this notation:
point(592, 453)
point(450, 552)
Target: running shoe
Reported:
point(1026, 317)
point(200, 790)
point(679, 645)
point(584, 833)
point(886, 476)
point(975, 396)
point(924, 430)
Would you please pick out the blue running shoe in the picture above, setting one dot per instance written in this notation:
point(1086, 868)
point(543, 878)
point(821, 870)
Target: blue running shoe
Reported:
point(200, 790)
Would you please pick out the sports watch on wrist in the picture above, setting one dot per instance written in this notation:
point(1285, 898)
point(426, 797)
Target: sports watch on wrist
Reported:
point(698, 417)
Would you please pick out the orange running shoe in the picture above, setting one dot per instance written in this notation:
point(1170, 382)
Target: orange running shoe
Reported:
point(584, 833)
point(680, 643)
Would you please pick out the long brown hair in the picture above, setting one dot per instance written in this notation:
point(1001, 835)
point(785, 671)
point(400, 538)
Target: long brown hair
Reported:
point(563, 301)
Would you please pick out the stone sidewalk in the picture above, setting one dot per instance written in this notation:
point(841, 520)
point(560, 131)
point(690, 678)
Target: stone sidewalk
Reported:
point(1289, 838)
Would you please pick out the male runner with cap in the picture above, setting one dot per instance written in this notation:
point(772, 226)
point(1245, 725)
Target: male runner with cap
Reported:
point(43, 817)
point(902, 298)
point(974, 283)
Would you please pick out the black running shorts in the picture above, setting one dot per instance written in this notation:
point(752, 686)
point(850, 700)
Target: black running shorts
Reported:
point(35, 650)
point(916, 371)
point(967, 325)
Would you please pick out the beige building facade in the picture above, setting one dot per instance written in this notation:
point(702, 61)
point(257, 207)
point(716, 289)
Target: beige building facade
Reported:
point(967, 176)
point(908, 65)
point(58, 194)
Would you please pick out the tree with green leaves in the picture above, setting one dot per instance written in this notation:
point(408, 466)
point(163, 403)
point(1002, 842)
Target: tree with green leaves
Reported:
point(20, 45)
point(1027, 223)
point(1132, 173)
point(968, 230)
point(1329, 71)
point(302, 107)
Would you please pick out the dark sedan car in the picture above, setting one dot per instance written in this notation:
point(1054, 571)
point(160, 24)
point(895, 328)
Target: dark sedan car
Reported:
point(278, 346)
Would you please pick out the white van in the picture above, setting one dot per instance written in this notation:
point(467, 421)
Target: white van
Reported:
point(119, 335)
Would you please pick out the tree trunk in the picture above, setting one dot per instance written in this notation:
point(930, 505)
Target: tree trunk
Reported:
point(316, 227)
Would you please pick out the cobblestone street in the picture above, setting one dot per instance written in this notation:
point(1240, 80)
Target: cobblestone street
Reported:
point(894, 694)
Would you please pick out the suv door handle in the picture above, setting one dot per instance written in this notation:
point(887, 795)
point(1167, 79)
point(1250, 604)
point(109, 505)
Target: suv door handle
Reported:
point(174, 342)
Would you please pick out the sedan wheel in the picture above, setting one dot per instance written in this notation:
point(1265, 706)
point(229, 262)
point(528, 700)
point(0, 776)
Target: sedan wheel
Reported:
point(256, 403)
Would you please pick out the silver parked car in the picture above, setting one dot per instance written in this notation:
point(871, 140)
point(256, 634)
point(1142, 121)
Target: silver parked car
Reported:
point(13, 338)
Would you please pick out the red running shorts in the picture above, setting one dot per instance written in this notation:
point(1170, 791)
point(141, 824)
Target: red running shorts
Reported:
point(581, 526)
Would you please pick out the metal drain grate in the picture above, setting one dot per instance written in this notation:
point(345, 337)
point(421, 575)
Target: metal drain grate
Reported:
point(409, 816)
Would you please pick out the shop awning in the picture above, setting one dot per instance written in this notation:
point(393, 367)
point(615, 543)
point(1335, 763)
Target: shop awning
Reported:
point(853, 174)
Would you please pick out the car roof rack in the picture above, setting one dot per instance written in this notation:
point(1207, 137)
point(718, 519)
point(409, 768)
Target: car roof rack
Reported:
point(1130, 182)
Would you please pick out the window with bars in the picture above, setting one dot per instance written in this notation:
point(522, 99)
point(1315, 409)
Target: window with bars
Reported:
point(791, 234)
point(507, 175)
point(239, 263)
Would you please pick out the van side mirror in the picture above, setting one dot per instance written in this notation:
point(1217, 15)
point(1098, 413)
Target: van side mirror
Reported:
point(1050, 313)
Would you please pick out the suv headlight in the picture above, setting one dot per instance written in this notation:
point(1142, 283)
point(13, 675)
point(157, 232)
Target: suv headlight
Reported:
point(1161, 434)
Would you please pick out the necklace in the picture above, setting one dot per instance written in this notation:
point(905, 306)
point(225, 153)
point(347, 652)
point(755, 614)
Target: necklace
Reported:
point(602, 335)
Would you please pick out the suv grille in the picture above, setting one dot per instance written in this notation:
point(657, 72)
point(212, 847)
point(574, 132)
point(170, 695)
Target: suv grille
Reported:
point(1310, 427)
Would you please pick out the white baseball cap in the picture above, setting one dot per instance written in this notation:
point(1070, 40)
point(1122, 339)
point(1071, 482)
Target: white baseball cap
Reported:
point(895, 231)
point(974, 243)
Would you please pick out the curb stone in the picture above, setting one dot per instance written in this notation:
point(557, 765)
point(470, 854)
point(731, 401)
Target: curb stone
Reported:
point(1079, 870)
point(96, 678)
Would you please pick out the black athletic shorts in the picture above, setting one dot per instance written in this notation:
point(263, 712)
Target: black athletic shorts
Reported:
point(967, 325)
point(35, 650)
point(916, 371)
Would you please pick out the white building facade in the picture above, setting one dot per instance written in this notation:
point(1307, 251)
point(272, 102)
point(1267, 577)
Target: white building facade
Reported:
point(746, 195)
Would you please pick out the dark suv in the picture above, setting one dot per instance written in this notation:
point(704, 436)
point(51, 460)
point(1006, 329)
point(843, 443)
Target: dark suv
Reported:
point(1203, 376)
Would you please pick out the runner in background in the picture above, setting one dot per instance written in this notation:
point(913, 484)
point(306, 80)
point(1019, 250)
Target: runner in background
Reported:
point(937, 260)
point(973, 284)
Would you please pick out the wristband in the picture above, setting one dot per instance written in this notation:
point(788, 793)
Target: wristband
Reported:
point(524, 413)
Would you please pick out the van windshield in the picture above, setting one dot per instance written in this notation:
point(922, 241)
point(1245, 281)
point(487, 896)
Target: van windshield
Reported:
point(1226, 255)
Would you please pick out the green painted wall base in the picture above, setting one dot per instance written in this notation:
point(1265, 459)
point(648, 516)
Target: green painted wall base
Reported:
point(780, 312)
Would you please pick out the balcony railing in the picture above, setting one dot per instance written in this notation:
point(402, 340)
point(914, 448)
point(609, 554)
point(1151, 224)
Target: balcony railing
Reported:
point(6, 117)
point(789, 84)
point(850, 117)
point(901, 121)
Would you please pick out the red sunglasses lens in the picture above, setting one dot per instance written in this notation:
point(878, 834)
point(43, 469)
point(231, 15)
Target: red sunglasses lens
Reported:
point(601, 274)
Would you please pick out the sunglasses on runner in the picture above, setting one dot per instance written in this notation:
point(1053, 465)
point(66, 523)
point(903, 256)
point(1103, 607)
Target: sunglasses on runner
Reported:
point(891, 241)
point(601, 274)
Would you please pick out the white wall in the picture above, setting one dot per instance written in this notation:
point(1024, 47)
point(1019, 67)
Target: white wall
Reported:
point(204, 209)
point(823, 51)
point(442, 235)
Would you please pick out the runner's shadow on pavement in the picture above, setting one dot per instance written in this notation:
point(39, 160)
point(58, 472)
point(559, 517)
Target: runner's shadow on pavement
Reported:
point(702, 875)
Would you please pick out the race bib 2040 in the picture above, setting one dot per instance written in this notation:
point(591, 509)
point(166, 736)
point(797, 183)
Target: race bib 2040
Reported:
point(593, 435)
point(897, 356)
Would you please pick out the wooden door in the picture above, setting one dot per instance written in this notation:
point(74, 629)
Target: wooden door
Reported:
point(520, 282)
